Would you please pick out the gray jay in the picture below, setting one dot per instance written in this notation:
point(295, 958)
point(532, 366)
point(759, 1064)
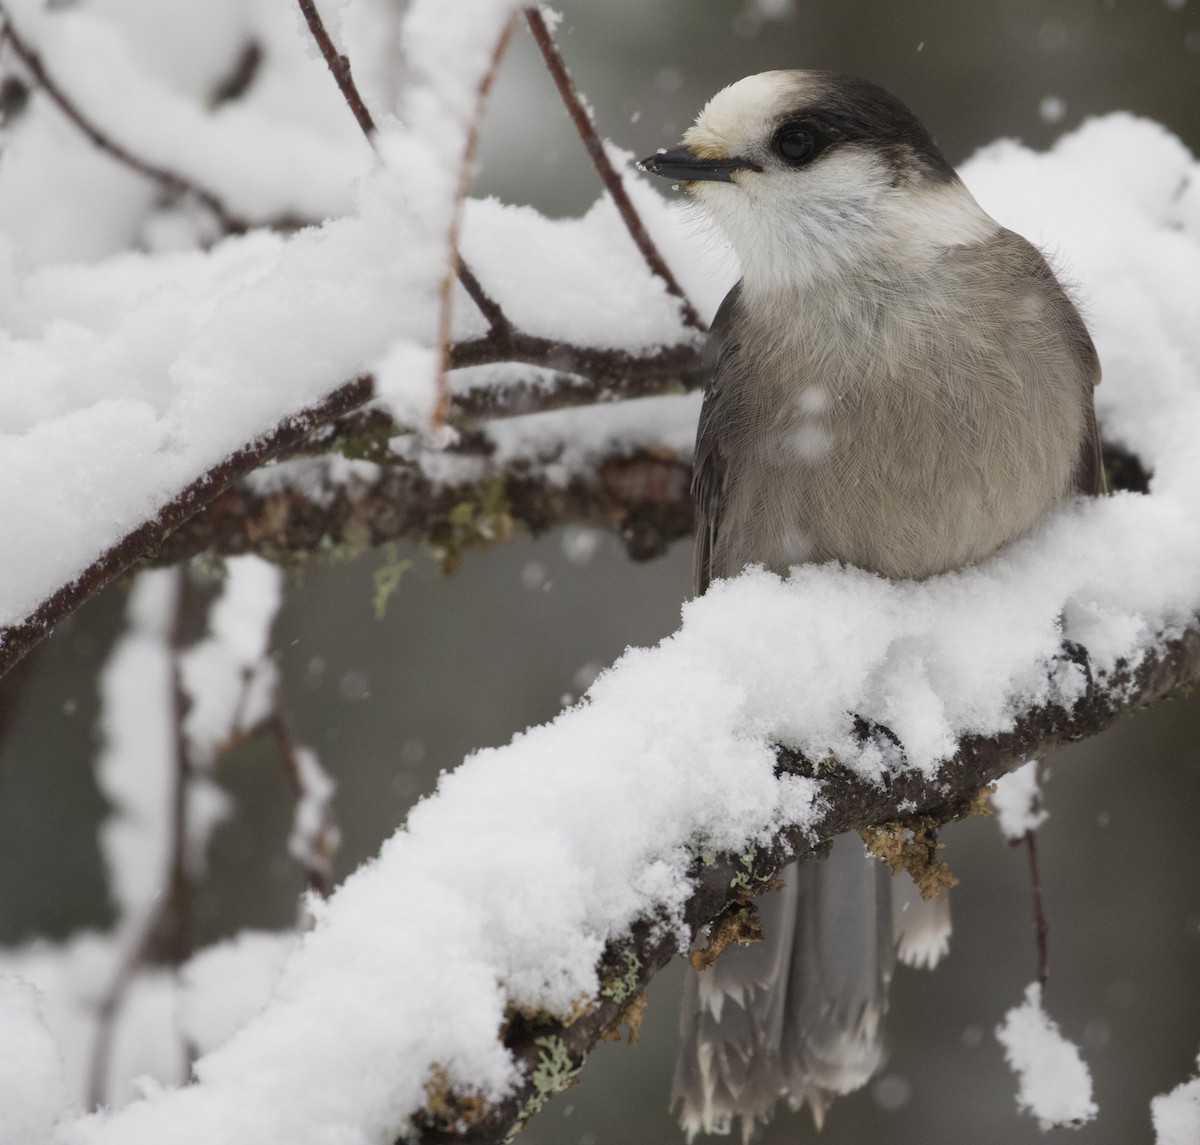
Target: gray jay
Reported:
point(898, 383)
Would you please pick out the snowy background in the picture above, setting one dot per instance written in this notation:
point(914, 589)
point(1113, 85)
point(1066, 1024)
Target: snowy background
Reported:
point(522, 628)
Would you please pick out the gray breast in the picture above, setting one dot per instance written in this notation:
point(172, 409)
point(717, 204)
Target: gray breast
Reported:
point(905, 420)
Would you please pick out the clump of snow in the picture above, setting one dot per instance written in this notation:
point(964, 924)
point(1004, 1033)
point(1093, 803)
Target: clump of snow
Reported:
point(315, 837)
point(1017, 802)
point(135, 767)
point(224, 986)
point(1053, 1082)
point(1176, 1115)
point(33, 1093)
point(229, 681)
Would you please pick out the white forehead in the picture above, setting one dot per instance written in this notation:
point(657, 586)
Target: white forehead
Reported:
point(738, 113)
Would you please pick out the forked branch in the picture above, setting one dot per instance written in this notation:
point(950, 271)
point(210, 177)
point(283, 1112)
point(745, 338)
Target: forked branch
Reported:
point(170, 181)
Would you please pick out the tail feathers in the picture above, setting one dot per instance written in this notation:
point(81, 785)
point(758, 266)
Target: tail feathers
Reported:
point(920, 928)
point(798, 1016)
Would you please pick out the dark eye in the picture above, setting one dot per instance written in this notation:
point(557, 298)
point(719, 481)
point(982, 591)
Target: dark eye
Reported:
point(797, 144)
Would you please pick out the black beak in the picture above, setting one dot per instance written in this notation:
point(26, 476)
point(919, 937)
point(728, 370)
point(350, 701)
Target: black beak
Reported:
point(681, 164)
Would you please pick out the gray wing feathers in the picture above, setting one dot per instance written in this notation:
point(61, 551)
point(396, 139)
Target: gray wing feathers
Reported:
point(1090, 474)
point(799, 1014)
point(708, 465)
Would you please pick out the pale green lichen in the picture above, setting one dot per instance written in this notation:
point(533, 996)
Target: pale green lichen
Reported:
point(553, 1073)
point(746, 879)
point(387, 579)
point(621, 984)
point(481, 518)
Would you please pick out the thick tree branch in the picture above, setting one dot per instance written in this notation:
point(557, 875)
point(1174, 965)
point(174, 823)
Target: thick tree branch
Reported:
point(642, 495)
point(170, 181)
point(604, 168)
point(556, 1050)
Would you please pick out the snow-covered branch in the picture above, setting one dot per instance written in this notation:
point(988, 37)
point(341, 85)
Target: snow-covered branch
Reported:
point(178, 395)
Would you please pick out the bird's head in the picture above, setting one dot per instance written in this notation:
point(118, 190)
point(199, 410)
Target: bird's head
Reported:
point(809, 172)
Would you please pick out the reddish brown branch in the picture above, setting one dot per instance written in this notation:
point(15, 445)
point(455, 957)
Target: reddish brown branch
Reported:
point(1041, 930)
point(603, 374)
point(170, 181)
point(457, 266)
point(147, 538)
point(339, 66)
point(608, 175)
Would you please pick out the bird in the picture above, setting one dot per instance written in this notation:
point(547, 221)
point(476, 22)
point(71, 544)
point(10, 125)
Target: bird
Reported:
point(898, 383)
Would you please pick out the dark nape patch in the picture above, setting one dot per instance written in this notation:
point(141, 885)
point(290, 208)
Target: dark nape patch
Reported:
point(850, 109)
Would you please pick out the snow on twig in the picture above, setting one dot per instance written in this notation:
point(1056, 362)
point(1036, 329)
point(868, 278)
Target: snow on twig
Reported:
point(1176, 1115)
point(1017, 801)
point(1053, 1082)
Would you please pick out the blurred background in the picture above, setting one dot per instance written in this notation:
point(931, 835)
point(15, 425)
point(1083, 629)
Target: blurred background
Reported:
point(522, 628)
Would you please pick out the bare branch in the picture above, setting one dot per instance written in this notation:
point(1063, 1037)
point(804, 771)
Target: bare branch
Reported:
point(610, 178)
point(148, 538)
point(629, 964)
point(456, 265)
point(1041, 930)
point(321, 844)
point(339, 66)
point(170, 181)
point(114, 998)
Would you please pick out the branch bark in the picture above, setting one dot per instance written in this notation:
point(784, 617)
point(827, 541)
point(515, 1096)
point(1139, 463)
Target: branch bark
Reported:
point(629, 964)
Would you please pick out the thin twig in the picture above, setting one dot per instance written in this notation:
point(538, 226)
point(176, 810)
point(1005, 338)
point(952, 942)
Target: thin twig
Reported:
point(1040, 929)
point(466, 173)
point(114, 998)
point(173, 909)
point(324, 842)
point(144, 541)
point(339, 65)
point(170, 181)
point(608, 175)
point(181, 937)
point(597, 374)
point(497, 320)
